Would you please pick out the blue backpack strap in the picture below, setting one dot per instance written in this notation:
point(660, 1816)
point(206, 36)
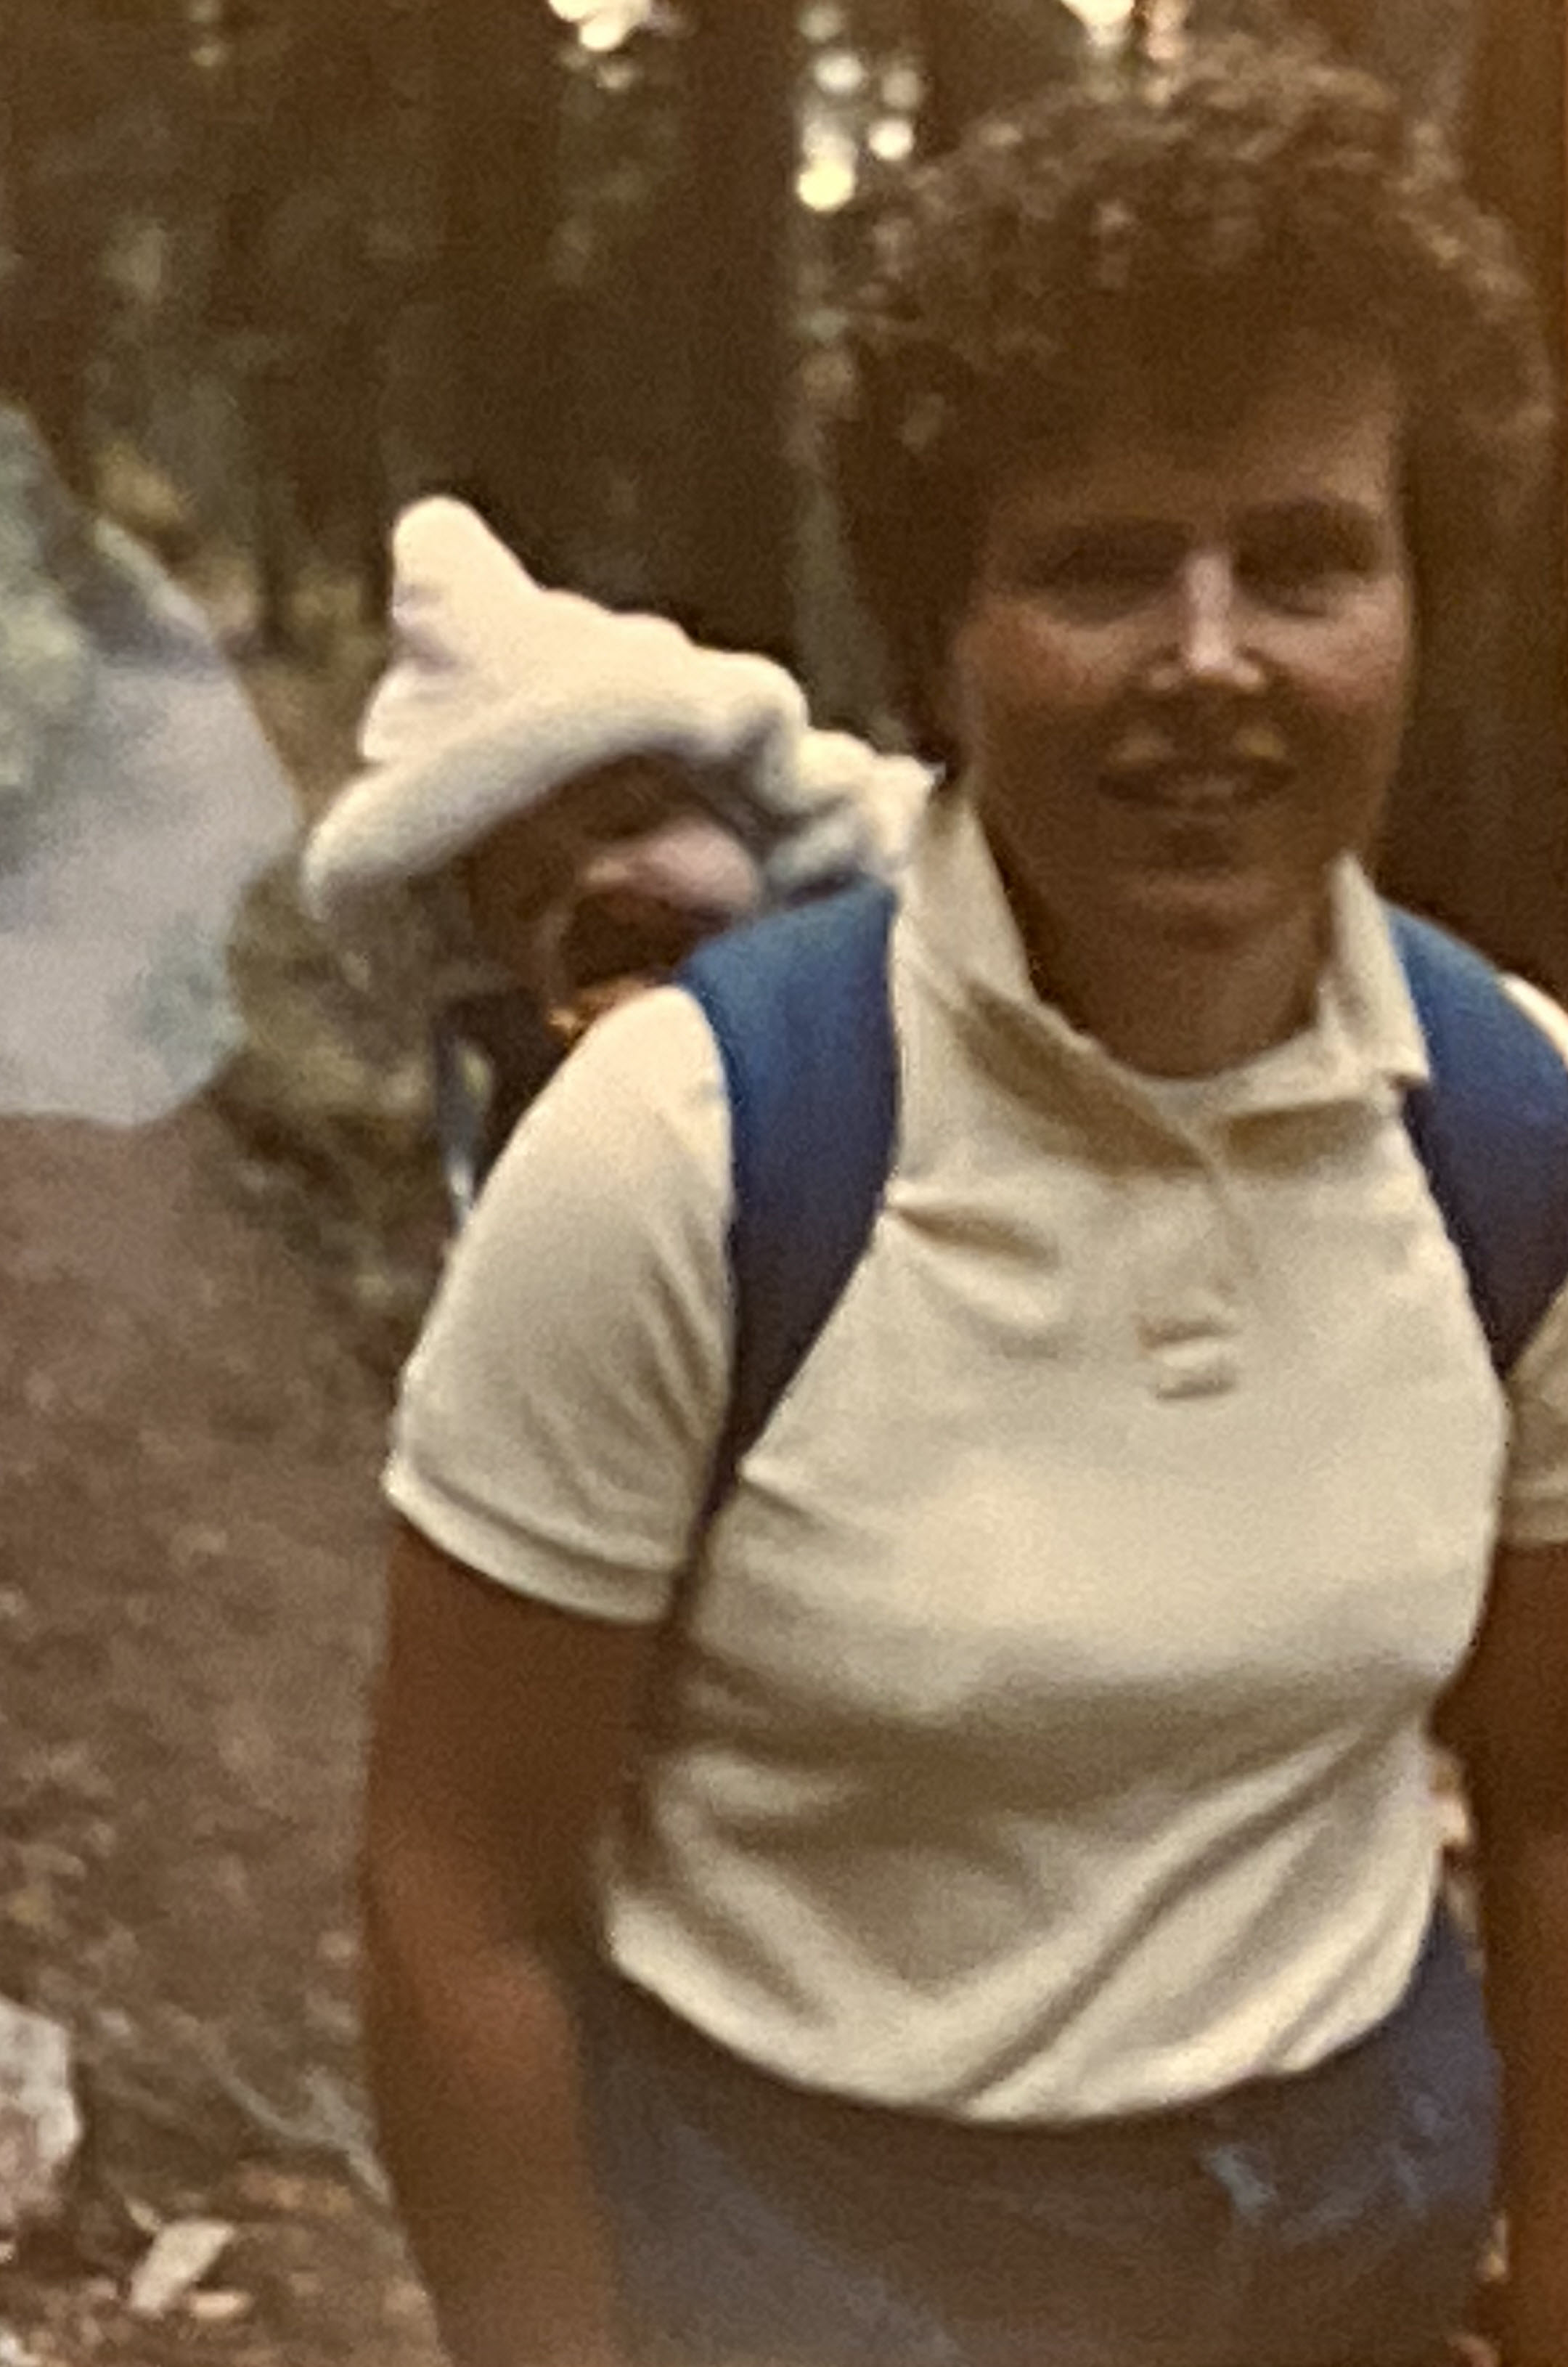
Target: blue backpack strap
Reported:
point(1490, 1129)
point(798, 1005)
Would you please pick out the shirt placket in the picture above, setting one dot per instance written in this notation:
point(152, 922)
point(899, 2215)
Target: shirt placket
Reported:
point(1188, 1281)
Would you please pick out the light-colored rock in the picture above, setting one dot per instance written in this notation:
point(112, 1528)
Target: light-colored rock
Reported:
point(41, 2122)
point(224, 2307)
point(178, 2258)
point(139, 802)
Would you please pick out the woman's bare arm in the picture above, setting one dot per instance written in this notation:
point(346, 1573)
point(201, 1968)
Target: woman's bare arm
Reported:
point(1508, 1721)
point(501, 1730)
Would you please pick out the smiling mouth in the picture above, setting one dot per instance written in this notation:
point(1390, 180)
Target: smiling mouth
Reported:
point(1198, 793)
point(1204, 777)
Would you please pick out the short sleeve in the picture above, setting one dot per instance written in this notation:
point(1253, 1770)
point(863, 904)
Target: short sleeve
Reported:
point(557, 1419)
point(1535, 1497)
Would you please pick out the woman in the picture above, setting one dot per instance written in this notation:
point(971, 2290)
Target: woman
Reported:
point(977, 1903)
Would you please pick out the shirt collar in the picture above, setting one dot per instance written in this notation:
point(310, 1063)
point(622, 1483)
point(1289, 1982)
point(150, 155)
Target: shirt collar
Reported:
point(1364, 1037)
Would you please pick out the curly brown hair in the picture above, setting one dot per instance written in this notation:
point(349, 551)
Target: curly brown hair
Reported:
point(1174, 229)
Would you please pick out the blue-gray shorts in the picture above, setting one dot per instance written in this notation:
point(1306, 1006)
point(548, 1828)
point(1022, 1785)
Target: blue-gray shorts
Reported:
point(1331, 2219)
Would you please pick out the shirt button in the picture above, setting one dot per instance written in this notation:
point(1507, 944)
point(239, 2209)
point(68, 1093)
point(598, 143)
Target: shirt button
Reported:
point(1197, 1366)
point(1191, 1342)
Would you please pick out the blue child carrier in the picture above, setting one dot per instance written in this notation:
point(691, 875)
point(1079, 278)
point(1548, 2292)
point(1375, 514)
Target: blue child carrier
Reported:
point(799, 1004)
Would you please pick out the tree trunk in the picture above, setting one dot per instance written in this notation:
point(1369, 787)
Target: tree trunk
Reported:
point(53, 86)
point(509, 348)
point(980, 54)
point(739, 571)
point(1516, 148)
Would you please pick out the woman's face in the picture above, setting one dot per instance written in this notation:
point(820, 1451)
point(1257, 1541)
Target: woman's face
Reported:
point(1180, 679)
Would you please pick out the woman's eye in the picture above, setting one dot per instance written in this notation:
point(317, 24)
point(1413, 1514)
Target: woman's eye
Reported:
point(1308, 574)
point(1097, 574)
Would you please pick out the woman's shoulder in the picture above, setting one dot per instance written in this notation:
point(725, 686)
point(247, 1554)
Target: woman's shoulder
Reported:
point(616, 1179)
point(1548, 1015)
point(643, 1082)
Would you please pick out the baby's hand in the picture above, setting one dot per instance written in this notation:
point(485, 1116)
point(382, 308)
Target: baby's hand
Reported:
point(572, 1020)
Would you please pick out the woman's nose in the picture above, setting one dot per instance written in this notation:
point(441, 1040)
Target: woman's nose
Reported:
point(1210, 644)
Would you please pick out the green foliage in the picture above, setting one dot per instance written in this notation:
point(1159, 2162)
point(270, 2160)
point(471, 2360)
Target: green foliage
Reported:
point(46, 656)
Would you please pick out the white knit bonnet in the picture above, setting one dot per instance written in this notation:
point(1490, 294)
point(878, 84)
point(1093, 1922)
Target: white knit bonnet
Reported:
point(500, 692)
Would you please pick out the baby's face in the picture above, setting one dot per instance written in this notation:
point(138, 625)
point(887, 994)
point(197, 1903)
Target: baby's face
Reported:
point(615, 877)
point(528, 868)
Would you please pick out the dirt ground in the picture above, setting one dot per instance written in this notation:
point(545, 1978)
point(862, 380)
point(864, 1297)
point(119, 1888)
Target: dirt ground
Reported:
point(199, 1328)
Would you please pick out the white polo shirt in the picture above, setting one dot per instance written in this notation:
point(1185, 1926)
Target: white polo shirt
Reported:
point(1046, 1739)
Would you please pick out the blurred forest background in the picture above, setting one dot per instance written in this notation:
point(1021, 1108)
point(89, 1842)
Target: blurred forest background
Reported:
point(268, 267)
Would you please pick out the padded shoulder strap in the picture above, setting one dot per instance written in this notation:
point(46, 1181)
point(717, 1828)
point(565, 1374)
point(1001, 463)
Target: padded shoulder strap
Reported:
point(798, 1005)
point(1491, 1132)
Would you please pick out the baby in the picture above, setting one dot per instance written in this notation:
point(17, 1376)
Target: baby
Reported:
point(575, 798)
